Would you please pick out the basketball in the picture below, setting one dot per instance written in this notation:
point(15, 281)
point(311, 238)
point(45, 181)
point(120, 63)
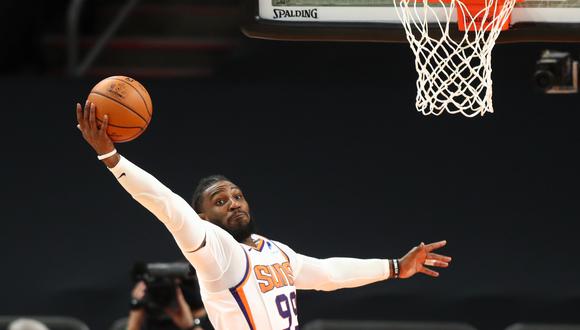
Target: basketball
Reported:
point(127, 104)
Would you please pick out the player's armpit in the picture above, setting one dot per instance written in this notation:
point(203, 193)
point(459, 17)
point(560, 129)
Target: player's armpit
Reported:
point(201, 246)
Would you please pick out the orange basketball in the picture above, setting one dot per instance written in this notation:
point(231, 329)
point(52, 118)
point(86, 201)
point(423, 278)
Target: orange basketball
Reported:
point(127, 104)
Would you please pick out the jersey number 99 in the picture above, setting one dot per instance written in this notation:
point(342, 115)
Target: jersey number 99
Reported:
point(287, 308)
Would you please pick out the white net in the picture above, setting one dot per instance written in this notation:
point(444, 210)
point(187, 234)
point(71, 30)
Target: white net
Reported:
point(454, 73)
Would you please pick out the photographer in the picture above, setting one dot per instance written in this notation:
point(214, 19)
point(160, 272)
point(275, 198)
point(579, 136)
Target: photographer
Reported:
point(166, 297)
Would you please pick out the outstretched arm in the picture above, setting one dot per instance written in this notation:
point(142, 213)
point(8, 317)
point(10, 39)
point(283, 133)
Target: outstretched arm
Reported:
point(337, 273)
point(211, 250)
point(168, 207)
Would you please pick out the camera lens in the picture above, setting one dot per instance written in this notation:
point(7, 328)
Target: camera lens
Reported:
point(544, 79)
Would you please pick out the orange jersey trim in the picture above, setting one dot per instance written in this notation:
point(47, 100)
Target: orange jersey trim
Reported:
point(240, 296)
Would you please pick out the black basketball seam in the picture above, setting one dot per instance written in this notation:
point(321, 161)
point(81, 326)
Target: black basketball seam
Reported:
point(113, 125)
point(138, 93)
point(134, 136)
point(121, 103)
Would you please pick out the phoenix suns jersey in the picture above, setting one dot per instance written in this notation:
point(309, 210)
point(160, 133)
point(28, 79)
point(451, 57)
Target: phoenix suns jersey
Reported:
point(265, 298)
point(243, 287)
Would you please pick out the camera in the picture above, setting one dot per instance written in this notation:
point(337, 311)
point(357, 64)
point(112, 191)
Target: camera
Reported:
point(556, 72)
point(161, 281)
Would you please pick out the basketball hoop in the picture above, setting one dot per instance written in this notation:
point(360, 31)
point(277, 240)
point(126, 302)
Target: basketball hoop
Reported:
point(454, 64)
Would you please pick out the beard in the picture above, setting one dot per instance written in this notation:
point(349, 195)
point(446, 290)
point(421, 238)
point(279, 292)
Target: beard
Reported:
point(242, 232)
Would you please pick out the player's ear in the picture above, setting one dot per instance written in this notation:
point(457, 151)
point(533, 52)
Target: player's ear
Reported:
point(202, 215)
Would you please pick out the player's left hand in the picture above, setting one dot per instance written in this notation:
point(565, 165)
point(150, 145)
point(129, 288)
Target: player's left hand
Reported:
point(417, 260)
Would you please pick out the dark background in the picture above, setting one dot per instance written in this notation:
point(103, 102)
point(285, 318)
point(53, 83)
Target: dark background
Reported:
point(335, 161)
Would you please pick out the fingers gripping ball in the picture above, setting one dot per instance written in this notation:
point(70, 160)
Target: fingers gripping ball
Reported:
point(127, 104)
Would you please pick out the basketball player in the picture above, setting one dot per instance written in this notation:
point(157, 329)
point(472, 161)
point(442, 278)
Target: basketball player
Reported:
point(247, 281)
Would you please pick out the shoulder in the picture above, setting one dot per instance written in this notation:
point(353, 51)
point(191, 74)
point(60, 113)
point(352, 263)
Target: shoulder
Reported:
point(273, 243)
point(288, 252)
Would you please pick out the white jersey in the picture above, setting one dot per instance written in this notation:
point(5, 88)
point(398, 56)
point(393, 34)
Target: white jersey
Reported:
point(244, 287)
point(266, 295)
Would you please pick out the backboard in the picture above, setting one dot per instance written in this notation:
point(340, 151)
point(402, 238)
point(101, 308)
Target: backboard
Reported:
point(376, 20)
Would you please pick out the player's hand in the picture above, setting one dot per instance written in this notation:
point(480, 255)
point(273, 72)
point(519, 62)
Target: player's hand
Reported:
point(181, 314)
point(96, 136)
point(417, 260)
